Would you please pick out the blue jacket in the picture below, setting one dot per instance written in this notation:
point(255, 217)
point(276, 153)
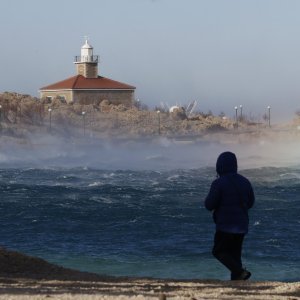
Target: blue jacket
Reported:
point(230, 196)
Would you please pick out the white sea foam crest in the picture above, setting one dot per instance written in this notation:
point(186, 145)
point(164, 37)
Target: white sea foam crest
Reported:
point(96, 183)
point(290, 175)
point(173, 177)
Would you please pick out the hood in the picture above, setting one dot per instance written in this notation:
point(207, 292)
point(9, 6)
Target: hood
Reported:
point(226, 163)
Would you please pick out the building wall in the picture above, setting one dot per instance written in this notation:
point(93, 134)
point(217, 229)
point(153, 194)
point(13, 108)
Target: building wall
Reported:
point(116, 97)
point(68, 95)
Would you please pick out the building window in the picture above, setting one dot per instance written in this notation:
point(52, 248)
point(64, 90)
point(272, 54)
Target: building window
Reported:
point(62, 98)
point(49, 98)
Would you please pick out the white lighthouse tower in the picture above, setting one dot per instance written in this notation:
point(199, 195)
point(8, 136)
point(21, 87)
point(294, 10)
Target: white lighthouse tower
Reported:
point(87, 63)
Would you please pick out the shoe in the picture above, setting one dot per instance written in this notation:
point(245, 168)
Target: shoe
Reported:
point(245, 275)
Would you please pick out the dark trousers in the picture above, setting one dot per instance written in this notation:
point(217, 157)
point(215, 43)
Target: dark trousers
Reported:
point(228, 250)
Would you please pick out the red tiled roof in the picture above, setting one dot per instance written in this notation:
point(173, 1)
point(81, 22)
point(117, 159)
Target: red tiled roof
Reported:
point(80, 82)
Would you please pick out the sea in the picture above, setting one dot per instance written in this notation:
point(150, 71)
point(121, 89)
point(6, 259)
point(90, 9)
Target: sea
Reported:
point(128, 208)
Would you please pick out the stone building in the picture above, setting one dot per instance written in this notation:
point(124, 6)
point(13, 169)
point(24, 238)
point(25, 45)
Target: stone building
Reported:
point(87, 87)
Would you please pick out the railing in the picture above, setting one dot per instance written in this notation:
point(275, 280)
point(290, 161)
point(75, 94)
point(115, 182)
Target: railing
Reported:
point(86, 58)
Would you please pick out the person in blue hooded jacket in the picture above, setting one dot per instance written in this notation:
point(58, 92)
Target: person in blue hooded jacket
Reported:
point(230, 197)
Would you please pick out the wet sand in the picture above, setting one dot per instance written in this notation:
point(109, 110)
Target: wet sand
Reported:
point(26, 277)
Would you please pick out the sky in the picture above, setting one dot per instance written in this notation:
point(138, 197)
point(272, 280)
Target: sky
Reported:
point(222, 53)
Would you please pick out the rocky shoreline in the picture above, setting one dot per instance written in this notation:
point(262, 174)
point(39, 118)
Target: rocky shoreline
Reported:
point(23, 115)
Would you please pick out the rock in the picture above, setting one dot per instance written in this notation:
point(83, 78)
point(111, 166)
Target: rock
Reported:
point(178, 113)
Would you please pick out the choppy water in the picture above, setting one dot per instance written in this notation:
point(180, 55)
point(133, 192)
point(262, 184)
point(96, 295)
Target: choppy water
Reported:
point(146, 223)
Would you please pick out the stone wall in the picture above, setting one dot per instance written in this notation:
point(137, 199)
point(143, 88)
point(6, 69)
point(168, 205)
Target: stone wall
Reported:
point(88, 70)
point(67, 95)
point(115, 97)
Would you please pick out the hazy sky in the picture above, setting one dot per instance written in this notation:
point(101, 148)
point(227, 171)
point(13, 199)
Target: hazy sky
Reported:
point(220, 52)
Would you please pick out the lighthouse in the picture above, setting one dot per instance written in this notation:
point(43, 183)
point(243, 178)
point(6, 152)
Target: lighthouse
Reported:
point(87, 87)
point(87, 63)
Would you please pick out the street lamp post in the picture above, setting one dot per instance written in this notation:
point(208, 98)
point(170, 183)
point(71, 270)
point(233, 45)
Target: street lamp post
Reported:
point(20, 112)
point(236, 117)
point(0, 116)
point(158, 114)
point(50, 118)
point(269, 115)
point(241, 108)
point(83, 116)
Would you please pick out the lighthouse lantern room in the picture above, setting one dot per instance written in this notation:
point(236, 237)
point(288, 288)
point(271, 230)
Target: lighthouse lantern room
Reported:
point(87, 63)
